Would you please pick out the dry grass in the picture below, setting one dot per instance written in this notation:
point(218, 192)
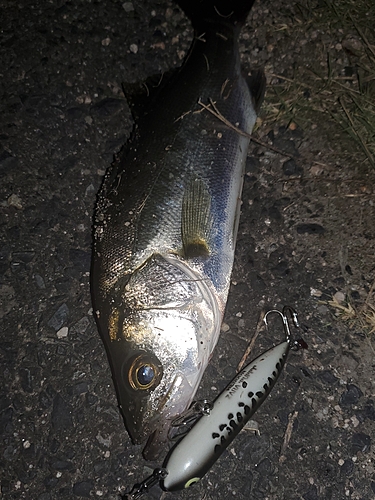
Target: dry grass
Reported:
point(330, 86)
point(339, 97)
point(362, 317)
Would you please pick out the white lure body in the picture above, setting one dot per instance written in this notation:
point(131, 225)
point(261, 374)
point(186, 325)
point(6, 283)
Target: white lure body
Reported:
point(194, 455)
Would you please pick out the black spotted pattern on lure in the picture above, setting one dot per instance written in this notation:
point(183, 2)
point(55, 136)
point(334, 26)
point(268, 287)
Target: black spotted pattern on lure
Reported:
point(212, 434)
point(248, 407)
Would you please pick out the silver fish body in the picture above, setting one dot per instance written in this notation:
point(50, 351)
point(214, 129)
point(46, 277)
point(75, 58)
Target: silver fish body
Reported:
point(165, 230)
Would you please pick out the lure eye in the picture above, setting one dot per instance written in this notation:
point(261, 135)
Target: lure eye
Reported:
point(144, 373)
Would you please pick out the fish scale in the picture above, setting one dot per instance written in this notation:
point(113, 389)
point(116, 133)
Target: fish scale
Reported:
point(166, 223)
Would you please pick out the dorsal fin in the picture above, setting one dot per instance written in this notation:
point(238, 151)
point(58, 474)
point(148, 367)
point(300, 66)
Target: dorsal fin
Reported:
point(140, 94)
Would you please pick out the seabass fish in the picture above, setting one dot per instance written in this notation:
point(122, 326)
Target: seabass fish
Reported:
point(166, 224)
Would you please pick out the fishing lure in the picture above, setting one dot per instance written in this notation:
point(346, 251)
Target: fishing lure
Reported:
point(220, 423)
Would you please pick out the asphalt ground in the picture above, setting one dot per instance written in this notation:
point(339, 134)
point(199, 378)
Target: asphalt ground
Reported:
point(63, 117)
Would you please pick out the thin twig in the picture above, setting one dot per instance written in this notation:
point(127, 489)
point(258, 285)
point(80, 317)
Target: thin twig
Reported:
point(214, 111)
point(288, 434)
point(369, 155)
point(252, 342)
point(362, 35)
point(273, 75)
point(368, 298)
point(366, 305)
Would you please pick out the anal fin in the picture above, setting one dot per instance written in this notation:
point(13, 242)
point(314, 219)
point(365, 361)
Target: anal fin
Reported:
point(196, 222)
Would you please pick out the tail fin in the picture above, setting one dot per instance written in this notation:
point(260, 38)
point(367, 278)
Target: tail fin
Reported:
point(218, 11)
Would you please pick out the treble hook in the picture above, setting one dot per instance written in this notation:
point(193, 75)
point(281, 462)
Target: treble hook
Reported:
point(283, 314)
point(140, 489)
point(187, 418)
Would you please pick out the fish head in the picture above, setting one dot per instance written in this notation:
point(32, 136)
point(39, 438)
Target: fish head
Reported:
point(158, 367)
point(159, 330)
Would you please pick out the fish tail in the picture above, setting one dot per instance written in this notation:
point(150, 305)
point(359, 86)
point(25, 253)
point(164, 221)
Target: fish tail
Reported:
point(218, 11)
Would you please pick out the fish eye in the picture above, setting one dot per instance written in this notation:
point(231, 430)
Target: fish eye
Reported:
point(145, 375)
point(144, 372)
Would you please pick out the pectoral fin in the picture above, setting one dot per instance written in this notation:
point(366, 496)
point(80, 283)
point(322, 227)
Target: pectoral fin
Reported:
point(196, 221)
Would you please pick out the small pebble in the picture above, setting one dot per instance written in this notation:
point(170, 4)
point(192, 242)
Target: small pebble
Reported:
point(355, 421)
point(59, 318)
point(15, 201)
point(322, 309)
point(290, 167)
point(83, 488)
point(63, 332)
point(351, 396)
point(81, 326)
point(128, 6)
point(133, 48)
point(339, 297)
point(39, 281)
point(90, 190)
point(361, 442)
point(106, 42)
point(104, 441)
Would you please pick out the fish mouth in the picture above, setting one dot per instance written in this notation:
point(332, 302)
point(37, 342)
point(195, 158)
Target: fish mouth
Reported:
point(153, 423)
point(140, 421)
point(156, 444)
point(140, 431)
